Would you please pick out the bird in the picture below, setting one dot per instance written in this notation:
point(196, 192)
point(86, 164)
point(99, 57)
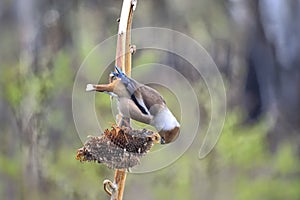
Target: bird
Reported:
point(141, 103)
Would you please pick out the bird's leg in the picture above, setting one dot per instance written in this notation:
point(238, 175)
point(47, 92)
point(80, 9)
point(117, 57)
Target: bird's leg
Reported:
point(123, 121)
point(119, 119)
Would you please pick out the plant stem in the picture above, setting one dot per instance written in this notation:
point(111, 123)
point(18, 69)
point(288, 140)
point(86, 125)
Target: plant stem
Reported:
point(119, 179)
point(123, 61)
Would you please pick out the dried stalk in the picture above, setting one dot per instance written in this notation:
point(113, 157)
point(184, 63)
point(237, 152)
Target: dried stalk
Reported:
point(123, 61)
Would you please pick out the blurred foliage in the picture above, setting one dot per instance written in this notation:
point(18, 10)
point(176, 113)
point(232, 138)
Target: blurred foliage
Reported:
point(259, 173)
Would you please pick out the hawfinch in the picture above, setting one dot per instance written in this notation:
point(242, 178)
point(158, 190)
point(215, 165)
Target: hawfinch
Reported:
point(141, 103)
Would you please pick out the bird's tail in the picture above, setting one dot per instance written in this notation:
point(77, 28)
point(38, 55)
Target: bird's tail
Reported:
point(100, 88)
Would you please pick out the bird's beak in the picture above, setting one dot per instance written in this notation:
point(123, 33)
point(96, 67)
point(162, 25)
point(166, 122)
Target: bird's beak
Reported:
point(162, 140)
point(156, 138)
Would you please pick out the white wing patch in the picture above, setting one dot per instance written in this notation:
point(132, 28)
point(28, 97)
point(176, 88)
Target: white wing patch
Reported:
point(141, 102)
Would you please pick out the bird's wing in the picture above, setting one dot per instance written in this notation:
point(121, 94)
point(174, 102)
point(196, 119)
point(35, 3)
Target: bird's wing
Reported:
point(132, 87)
point(130, 84)
point(139, 102)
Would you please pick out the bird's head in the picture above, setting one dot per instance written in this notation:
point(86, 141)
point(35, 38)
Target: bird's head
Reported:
point(168, 136)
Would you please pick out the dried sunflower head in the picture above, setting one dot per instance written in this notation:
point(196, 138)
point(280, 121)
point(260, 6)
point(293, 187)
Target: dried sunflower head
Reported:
point(118, 148)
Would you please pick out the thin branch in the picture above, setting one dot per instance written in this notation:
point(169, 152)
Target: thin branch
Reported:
point(123, 60)
point(119, 180)
point(123, 56)
point(128, 44)
point(108, 187)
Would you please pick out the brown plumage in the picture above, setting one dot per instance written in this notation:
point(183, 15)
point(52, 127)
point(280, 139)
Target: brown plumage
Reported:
point(141, 103)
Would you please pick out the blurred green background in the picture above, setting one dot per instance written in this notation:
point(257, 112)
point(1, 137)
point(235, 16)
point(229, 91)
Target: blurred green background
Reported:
point(255, 44)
